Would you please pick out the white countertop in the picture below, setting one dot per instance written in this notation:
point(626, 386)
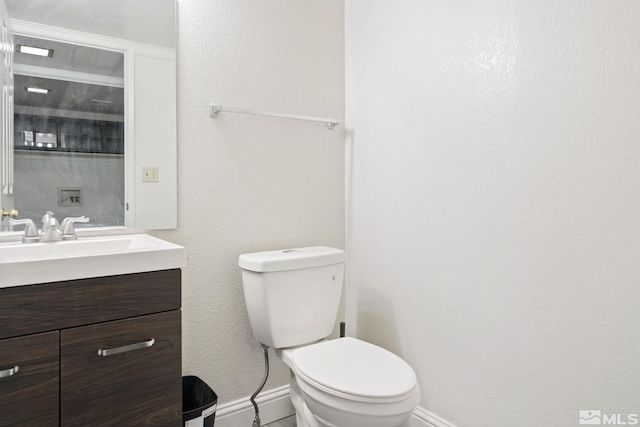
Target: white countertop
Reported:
point(98, 256)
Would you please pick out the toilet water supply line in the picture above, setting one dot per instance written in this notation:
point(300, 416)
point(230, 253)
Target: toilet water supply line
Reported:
point(256, 420)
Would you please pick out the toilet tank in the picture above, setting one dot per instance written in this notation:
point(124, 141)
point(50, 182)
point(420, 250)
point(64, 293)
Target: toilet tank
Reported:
point(292, 295)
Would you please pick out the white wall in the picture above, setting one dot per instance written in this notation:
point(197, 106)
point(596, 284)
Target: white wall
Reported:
point(493, 169)
point(252, 183)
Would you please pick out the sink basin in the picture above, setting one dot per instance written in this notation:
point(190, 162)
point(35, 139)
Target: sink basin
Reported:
point(24, 264)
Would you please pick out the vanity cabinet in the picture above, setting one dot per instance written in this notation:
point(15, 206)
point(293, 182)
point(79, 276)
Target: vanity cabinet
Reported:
point(29, 380)
point(92, 352)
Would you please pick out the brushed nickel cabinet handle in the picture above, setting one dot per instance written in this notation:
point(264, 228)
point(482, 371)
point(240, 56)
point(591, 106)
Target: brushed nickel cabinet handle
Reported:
point(9, 372)
point(126, 348)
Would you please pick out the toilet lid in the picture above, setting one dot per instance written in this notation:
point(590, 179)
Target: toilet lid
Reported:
point(355, 367)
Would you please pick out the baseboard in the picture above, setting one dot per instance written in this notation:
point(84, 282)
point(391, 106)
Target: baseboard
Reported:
point(423, 418)
point(273, 404)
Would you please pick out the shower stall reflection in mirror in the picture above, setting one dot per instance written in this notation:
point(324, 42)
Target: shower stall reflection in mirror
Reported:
point(69, 131)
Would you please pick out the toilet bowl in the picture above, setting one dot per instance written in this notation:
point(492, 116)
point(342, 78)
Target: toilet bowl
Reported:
point(292, 298)
point(349, 382)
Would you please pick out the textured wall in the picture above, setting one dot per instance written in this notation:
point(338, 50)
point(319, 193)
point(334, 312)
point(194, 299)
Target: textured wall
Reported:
point(493, 234)
point(252, 183)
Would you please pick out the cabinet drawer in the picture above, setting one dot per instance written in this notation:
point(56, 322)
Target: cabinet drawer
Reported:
point(112, 376)
point(29, 394)
point(58, 305)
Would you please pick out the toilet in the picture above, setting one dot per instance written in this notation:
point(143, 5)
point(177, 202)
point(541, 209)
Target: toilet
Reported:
point(292, 298)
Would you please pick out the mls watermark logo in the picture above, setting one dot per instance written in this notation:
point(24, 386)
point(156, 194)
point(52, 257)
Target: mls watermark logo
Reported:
point(591, 417)
point(597, 417)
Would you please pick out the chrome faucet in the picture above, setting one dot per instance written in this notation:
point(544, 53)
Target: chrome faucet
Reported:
point(67, 230)
point(50, 228)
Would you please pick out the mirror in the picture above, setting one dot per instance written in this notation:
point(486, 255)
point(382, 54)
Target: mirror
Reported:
point(104, 143)
point(68, 133)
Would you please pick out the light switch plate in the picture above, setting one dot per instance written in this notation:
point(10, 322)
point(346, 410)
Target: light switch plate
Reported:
point(150, 174)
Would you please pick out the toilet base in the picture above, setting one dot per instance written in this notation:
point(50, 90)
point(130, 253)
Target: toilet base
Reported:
point(305, 418)
point(314, 421)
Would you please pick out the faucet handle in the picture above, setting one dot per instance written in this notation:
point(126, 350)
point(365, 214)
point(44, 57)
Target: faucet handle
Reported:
point(67, 229)
point(30, 229)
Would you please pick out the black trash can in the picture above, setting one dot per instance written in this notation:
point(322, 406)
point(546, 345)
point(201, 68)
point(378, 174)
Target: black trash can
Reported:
point(199, 403)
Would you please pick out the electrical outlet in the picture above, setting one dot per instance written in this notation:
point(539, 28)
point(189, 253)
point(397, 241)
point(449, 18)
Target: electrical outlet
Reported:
point(150, 173)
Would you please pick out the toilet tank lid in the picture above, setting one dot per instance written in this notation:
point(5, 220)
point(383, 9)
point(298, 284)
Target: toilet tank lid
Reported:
point(290, 259)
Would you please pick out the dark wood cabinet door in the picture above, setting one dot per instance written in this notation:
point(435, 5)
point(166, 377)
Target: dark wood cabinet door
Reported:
point(29, 380)
point(122, 373)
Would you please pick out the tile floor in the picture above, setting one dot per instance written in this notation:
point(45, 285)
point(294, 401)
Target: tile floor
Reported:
point(286, 422)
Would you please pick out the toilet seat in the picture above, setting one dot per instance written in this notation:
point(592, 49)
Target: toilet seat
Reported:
point(354, 369)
